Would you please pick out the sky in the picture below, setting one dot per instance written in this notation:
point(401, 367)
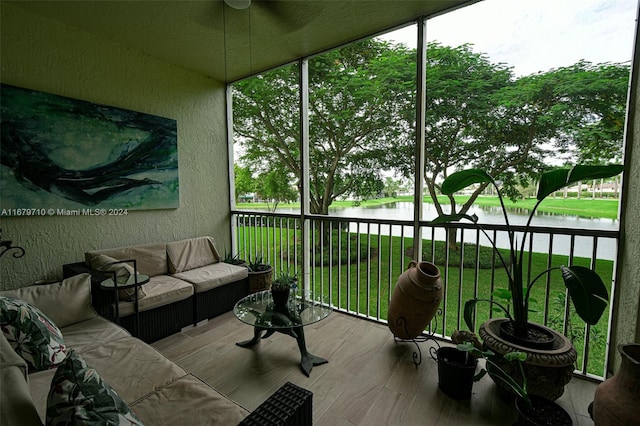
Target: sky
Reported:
point(537, 35)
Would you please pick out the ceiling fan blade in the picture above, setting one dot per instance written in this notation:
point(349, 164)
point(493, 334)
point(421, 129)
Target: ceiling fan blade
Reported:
point(292, 15)
point(238, 4)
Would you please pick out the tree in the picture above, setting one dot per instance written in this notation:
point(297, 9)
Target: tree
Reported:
point(598, 93)
point(391, 187)
point(361, 103)
point(275, 186)
point(479, 115)
point(243, 180)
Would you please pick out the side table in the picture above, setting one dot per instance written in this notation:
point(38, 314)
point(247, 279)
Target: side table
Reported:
point(116, 284)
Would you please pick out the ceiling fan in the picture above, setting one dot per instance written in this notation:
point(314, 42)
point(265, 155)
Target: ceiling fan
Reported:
point(238, 4)
point(291, 15)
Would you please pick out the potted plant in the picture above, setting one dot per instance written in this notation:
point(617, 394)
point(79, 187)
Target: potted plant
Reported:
point(532, 410)
point(456, 372)
point(456, 369)
point(232, 259)
point(515, 333)
point(282, 285)
point(260, 274)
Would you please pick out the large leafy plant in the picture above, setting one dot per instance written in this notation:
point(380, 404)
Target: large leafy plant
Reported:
point(586, 289)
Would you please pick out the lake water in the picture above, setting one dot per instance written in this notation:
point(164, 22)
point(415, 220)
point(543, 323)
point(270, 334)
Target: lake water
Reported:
point(607, 247)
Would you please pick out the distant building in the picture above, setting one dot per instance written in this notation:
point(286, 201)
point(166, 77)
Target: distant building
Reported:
point(248, 198)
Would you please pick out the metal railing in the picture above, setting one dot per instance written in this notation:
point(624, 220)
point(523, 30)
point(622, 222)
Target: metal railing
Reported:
point(354, 263)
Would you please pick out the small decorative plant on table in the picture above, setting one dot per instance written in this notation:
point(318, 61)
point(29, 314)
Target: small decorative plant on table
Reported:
point(260, 274)
point(282, 285)
point(550, 355)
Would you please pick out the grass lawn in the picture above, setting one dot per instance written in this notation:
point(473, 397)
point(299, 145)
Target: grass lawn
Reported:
point(365, 285)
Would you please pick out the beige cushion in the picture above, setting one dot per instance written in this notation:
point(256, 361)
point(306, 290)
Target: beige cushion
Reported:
point(16, 405)
point(39, 385)
point(211, 276)
point(79, 395)
point(123, 271)
point(191, 253)
point(65, 303)
point(132, 368)
point(151, 259)
point(97, 331)
point(189, 401)
point(160, 290)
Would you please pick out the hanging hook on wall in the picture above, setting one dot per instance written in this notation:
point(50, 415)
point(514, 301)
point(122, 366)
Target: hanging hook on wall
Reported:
point(5, 246)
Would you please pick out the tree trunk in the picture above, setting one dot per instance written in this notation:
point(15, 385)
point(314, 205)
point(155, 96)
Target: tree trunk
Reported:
point(452, 239)
point(324, 230)
point(601, 188)
point(579, 189)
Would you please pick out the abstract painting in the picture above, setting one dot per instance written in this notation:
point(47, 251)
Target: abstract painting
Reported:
point(60, 154)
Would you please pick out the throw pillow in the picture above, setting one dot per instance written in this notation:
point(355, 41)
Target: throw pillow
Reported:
point(31, 334)
point(79, 396)
point(123, 271)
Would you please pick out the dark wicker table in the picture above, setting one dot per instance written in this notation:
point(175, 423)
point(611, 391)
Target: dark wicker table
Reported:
point(117, 283)
point(259, 311)
point(290, 405)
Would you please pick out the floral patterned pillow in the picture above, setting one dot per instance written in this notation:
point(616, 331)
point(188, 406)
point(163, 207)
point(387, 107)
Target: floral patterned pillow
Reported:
point(79, 396)
point(31, 334)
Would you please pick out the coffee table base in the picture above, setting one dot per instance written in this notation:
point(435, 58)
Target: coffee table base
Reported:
point(307, 360)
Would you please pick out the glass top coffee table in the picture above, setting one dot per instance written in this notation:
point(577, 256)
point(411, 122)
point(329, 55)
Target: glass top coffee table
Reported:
point(259, 311)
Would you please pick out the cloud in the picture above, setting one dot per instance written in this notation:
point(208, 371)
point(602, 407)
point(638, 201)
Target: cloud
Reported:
point(537, 35)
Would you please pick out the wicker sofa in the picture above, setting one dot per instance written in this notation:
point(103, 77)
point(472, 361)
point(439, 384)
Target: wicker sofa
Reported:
point(188, 283)
point(147, 385)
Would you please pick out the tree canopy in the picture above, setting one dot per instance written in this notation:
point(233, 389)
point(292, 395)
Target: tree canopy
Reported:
point(361, 101)
point(478, 114)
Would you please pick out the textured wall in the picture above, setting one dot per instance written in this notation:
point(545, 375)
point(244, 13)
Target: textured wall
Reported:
point(627, 320)
point(44, 55)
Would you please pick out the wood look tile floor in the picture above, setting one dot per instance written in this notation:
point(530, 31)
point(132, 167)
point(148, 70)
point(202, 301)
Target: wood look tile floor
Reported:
point(370, 380)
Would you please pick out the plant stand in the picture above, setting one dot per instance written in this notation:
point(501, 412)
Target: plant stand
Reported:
point(547, 370)
point(401, 323)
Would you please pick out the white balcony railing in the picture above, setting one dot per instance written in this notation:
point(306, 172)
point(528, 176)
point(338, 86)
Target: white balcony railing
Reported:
point(355, 263)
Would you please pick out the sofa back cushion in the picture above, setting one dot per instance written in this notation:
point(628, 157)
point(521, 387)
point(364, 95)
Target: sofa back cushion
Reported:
point(191, 253)
point(65, 303)
point(151, 259)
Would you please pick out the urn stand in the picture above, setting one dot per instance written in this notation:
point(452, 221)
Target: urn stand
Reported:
point(414, 302)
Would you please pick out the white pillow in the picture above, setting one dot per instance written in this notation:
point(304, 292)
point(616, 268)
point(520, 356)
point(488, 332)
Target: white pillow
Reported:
point(123, 271)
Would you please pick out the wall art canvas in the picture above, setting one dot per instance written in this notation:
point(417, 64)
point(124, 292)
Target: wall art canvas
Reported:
point(60, 154)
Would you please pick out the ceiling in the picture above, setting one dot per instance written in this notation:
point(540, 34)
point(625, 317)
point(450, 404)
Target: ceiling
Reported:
point(196, 34)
